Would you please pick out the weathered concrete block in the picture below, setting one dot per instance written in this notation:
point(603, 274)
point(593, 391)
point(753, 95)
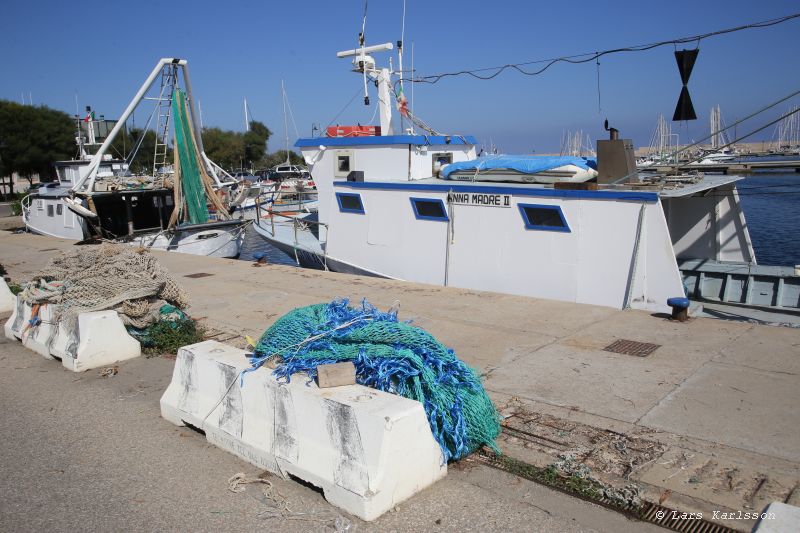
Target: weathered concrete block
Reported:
point(101, 340)
point(368, 450)
point(336, 375)
point(7, 299)
point(18, 320)
point(39, 336)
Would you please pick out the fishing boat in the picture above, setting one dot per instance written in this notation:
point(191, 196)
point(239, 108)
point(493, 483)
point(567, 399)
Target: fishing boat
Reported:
point(620, 240)
point(181, 210)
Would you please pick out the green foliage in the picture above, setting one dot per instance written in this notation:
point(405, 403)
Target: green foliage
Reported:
point(126, 141)
point(32, 138)
point(279, 157)
point(168, 336)
point(231, 149)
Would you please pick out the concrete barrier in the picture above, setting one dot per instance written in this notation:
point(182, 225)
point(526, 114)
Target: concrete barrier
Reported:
point(7, 298)
point(368, 450)
point(38, 336)
point(97, 339)
point(101, 340)
point(19, 318)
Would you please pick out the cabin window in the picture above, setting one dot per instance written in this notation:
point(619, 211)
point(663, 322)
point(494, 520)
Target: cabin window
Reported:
point(543, 217)
point(49, 210)
point(350, 203)
point(429, 209)
point(438, 160)
point(59, 209)
point(343, 163)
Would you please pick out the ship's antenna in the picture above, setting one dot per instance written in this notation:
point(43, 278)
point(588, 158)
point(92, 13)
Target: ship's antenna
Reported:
point(411, 104)
point(400, 58)
point(362, 55)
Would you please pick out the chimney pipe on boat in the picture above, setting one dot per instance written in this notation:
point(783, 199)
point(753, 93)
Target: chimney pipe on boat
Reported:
point(614, 157)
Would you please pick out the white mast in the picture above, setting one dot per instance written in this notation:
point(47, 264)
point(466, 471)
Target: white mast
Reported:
point(246, 120)
point(285, 122)
point(366, 64)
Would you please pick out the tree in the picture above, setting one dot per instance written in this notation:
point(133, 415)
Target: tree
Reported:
point(127, 141)
point(225, 148)
point(279, 157)
point(230, 149)
point(33, 138)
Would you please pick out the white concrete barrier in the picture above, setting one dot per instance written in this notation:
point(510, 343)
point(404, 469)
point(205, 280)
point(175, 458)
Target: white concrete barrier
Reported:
point(368, 450)
point(38, 336)
point(7, 298)
point(101, 340)
point(19, 318)
point(97, 339)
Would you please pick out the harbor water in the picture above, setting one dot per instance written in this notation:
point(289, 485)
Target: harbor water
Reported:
point(771, 203)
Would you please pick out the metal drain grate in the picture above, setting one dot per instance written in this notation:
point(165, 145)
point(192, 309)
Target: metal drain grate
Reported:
point(628, 347)
point(649, 512)
point(198, 275)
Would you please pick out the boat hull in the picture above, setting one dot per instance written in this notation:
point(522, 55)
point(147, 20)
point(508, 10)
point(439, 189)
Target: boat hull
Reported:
point(220, 239)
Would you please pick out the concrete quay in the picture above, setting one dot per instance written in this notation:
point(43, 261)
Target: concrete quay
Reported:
point(707, 422)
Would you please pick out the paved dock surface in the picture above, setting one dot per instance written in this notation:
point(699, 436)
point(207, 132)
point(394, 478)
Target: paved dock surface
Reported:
point(86, 453)
point(718, 397)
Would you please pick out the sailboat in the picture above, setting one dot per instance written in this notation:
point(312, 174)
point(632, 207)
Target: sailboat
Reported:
point(717, 154)
point(182, 210)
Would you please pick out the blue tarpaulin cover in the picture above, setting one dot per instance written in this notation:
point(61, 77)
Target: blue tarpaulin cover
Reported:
point(526, 164)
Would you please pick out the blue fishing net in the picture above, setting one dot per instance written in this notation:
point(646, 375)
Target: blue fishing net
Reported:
point(391, 356)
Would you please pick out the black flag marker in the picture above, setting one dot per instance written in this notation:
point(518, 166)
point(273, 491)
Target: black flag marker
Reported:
point(685, 110)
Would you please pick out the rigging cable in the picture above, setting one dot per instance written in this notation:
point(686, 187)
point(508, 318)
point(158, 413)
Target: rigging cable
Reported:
point(589, 56)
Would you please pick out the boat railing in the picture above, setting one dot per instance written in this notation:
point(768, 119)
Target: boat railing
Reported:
point(25, 204)
point(298, 224)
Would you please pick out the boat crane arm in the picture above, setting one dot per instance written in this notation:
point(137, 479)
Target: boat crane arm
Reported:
point(86, 183)
point(94, 164)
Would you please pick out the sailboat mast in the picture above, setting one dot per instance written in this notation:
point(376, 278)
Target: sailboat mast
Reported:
point(246, 119)
point(285, 122)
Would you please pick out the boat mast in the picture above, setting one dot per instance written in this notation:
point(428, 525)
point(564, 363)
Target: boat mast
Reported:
point(285, 122)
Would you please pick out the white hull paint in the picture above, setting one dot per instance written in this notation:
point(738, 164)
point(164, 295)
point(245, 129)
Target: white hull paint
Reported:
point(224, 240)
point(52, 217)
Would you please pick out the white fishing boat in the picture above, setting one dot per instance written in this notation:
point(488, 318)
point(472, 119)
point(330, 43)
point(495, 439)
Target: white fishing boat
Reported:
point(618, 242)
point(97, 197)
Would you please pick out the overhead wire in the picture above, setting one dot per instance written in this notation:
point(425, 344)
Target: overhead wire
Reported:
point(592, 56)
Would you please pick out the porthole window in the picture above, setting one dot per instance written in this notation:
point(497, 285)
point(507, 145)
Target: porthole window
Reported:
point(49, 210)
point(429, 209)
point(59, 209)
point(543, 217)
point(350, 203)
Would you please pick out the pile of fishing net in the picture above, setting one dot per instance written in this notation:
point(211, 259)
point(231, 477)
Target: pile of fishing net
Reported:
point(127, 280)
point(391, 356)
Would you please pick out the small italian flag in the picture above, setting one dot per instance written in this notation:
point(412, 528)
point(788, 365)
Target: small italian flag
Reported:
point(402, 103)
point(89, 116)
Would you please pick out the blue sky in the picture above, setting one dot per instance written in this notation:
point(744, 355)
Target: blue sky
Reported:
point(237, 49)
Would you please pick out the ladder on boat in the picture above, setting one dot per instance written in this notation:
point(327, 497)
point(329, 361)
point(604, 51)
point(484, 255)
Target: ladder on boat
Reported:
point(169, 78)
